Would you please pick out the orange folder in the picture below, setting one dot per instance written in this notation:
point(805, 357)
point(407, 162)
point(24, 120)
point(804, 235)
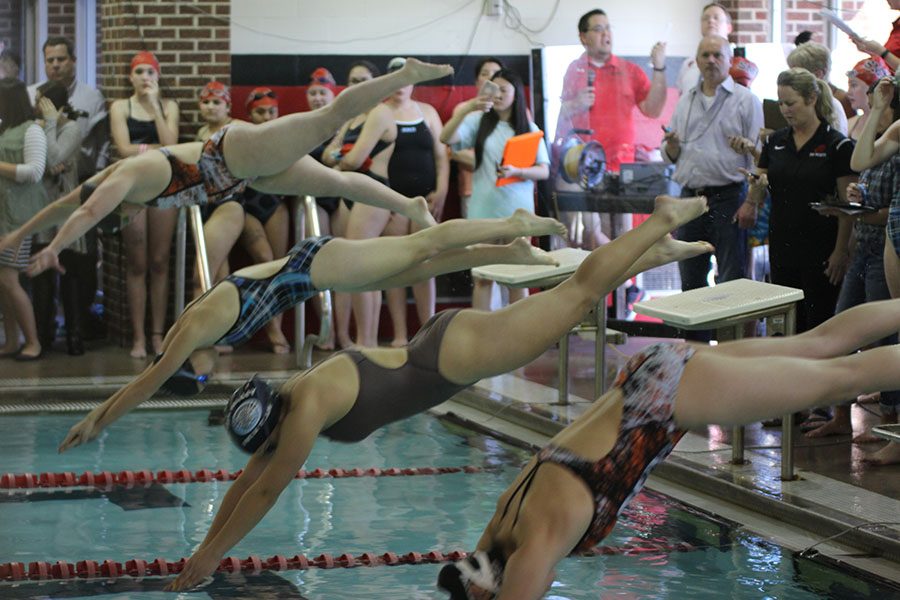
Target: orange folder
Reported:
point(520, 151)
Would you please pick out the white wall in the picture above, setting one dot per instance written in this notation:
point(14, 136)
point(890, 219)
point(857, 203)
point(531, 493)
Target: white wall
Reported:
point(446, 26)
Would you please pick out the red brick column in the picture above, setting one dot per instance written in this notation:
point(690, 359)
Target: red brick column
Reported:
point(192, 42)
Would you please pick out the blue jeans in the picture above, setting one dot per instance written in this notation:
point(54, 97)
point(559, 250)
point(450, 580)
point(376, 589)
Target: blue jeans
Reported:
point(719, 228)
point(865, 282)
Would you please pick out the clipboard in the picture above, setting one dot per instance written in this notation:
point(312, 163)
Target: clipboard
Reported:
point(772, 117)
point(520, 151)
point(850, 208)
point(838, 22)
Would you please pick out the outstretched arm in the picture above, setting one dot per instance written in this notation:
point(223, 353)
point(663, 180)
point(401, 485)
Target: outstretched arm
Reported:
point(105, 199)
point(868, 151)
point(186, 338)
point(299, 430)
point(529, 572)
point(53, 214)
point(308, 176)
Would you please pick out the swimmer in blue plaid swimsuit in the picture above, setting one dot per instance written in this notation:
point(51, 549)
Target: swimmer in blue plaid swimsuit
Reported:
point(271, 158)
point(242, 303)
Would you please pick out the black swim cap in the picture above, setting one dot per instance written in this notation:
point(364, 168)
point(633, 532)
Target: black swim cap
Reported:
point(480, 568)
point(184, 381)
point(252, 414)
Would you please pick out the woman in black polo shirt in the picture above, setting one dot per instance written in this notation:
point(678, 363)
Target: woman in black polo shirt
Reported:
point(806, 162)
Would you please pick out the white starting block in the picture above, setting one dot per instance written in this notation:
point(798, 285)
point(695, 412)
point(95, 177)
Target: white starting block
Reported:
point(726, 308)
point(720, 306)
point(547, 276)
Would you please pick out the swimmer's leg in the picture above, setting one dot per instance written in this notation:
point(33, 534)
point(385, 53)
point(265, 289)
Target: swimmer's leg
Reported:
point(273, 146)
point(358, 264)
point(480, 344)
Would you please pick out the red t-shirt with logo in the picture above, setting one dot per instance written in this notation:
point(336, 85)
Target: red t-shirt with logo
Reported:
point(619, 87)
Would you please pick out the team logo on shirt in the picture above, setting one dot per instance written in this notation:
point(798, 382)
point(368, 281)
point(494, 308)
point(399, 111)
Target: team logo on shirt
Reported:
point(818, 152)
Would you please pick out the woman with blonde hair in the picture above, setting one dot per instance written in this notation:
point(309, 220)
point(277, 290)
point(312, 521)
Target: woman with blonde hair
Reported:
point(806, 162)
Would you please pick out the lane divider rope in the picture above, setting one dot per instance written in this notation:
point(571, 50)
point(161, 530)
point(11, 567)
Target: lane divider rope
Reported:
point(136, 567)
point(146, 477)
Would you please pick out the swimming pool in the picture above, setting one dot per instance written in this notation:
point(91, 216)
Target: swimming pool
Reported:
point(354, 515)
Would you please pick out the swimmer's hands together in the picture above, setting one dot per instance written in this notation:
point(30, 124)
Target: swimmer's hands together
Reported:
point(43, 260)
point(198, 567)
point(82, 432)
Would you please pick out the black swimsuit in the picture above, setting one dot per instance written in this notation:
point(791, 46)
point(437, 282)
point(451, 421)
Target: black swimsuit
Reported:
point(387, 395)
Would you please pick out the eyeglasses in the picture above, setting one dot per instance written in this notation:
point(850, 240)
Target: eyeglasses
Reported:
point(599, 29)
point(322, 80)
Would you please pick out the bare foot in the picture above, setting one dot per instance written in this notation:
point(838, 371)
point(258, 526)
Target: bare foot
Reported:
point(281, 348)
point(326, 344)
point(889, 455)
point(224, 349)
point(345, 342)
point(138, 349)
point(527, 224)
point(873, 398)
point(418, 71)
point(867, 438)
point(523, 253)
point(679, 211)
point(156, 342)
point(668, 249)
point(832, 427)
point(399, 342)
point(418, 212)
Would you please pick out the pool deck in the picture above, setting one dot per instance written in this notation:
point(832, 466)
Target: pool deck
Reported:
point(835, 489)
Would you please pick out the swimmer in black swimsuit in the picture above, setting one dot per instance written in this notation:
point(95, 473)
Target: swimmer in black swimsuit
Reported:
point(271, 155)
point(351, 394)
point(235, 308)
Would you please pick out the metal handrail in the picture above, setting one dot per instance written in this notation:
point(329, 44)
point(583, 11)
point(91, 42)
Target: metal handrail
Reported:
point(200, 246)
point(306, 224)
point(181, 254)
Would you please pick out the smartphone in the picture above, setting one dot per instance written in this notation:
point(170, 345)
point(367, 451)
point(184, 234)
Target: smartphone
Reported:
point(489, 89)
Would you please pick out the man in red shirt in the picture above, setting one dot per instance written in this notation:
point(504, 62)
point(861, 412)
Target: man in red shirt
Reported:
point(600, 92)
point(605, 100)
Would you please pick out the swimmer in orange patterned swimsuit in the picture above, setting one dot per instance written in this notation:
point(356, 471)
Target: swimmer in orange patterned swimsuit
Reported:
point(569, 496)
point(271, 158)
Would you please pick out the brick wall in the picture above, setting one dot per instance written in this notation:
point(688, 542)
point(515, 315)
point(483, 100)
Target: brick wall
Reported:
point(192, 48)
point(753, 18)
point(751, 21)
point(61, 18)
point(11, 24)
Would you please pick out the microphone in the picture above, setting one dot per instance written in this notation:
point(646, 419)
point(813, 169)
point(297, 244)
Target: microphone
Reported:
point(591, 76)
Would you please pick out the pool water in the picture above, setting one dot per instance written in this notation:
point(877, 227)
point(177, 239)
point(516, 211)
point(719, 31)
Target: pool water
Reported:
point(354, 515)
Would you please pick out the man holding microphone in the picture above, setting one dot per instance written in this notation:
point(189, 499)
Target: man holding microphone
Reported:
point(600, 92)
